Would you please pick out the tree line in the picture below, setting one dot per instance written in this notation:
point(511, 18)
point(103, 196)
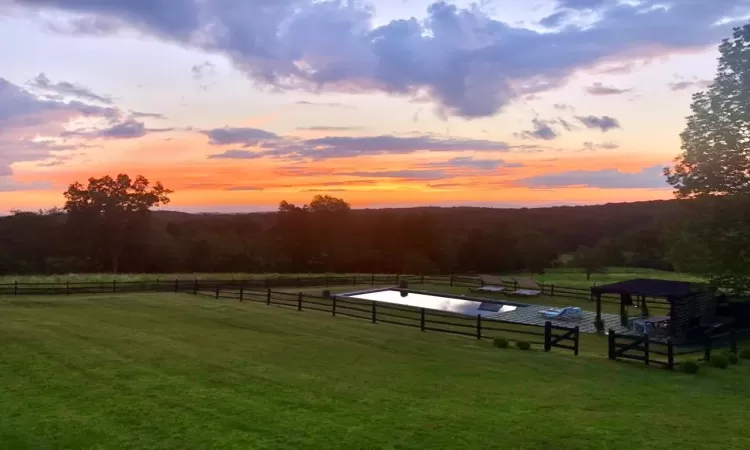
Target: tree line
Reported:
point(109, 226)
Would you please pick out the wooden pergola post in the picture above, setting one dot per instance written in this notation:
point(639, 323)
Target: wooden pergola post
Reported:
point(598, 307)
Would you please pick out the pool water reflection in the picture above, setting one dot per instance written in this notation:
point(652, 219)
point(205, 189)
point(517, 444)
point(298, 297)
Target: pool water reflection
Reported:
point(437, 302)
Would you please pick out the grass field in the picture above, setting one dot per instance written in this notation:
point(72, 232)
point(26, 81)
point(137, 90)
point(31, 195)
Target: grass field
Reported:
point(170, 371)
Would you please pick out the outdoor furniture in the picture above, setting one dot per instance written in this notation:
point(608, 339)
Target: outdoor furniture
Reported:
point(490, 283)
point(526, 288)
point(569, 312)
point(650, 325)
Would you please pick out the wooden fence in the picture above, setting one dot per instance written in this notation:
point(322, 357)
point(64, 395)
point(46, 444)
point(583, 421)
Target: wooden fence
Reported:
point(90, 287)
point(667, 354)
point(548, 336)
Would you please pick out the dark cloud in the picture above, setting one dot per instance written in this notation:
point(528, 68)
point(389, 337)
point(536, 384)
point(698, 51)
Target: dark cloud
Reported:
point(24, 117)
point(468, 162)
point(601, 89)
point(603, 123)
point(247, 136)
point(237, 154)
point(128, 129)
point(590, 146)
point(325, 190)
point(332, 147)
point(145, 115)
point(692, 84)
point(468, 64)
point(203, 70)
point(648, 178)
point(563, 107)
point(541, 130)
point(64, 88)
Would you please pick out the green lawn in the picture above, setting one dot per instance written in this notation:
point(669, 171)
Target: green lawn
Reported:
point(178, 371)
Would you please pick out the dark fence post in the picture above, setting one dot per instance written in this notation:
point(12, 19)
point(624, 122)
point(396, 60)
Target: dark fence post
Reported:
point(374, 313)
point(552, 290)
point(577, 334)
point(326, 275)
point(333, 306)
point(396, 278)
point(451, 280)
point(268, 296)
point(479, 326)
point(547, 336)
point(114, 285)
point(707, 353)
point(15, 287)
point(422, 280)
point(611, 337)
point(515, 285)
point(421, 319)
point(218, 288)
point(177, 285)
point(242, 291)
point(670, 355)
point(733, 341)
point(372, 280)
point(646, 351)
point(195, 287)
point(299, 301)
point(354, 280)
point(67, 288)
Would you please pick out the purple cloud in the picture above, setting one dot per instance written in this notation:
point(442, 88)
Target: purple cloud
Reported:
point(64, 88)
point(647, 178)
point(603, 123)
point(601, 89)
point(468, 63)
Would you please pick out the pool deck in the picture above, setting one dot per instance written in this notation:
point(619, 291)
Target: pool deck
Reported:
point(531, 315)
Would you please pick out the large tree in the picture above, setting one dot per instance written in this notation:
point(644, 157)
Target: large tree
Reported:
point(715, 157)
point(109, 212)
point(714, 169)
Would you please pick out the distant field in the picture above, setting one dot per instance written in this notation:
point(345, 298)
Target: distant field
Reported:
point(562, 277)
point(174, 371)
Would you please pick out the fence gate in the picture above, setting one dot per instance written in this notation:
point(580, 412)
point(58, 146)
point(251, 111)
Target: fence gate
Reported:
point(566, 338)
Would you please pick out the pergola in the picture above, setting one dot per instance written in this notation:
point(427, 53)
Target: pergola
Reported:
point(689, 304)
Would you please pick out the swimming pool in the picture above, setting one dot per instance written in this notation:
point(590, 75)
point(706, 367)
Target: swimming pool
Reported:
point(454, 304)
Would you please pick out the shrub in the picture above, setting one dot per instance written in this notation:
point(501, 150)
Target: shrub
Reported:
point(501, 342)
point(326, 294)
point(745, 353)
point(403, 284)
point(719, 361)
point(690, 367)
point(523, 345)
point(733, 359)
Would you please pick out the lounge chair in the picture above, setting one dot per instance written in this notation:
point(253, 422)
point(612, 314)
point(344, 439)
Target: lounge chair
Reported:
point(569, 312)
point(526, 287)
point(490, 283)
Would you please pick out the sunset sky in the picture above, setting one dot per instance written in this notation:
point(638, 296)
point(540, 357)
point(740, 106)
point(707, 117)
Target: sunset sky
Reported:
point(239, 104)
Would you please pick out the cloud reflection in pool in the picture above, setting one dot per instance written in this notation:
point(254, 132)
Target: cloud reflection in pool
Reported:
point(449, 304)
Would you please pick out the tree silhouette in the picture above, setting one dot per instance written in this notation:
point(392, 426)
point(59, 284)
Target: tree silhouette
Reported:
point(109, 211)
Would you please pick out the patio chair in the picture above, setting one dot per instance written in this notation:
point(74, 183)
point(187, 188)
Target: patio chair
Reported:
point(490, 283)
point(569, 312)
point(526, 288)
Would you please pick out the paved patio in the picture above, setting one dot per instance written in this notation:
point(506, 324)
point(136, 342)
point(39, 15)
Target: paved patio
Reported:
point(531, 315)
